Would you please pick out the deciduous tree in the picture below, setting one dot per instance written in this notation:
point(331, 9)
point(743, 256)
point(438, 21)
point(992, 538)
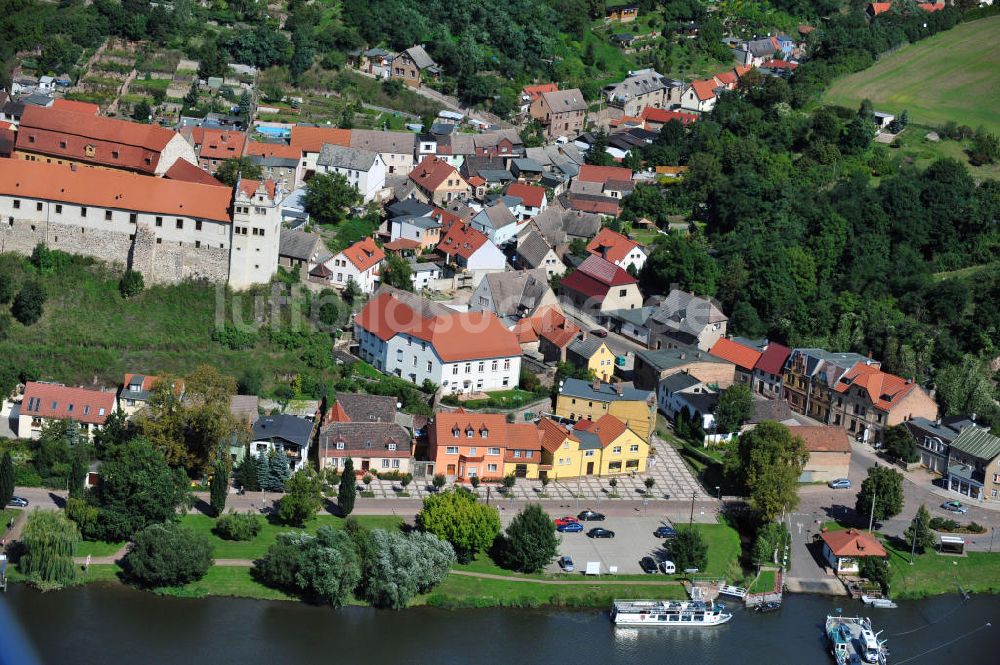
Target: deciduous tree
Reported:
point(919, 534)
point(231, 170)
point(885, 487)
point(329, 197)
point(398, 566)
point(48, 538)
point(323, 568)
point(167, 555)
point(530, 543)
point(29, 303)
point(456, 516)
point(768, 463)
point(6, 478)
point(735, 407)
point(688, 549)
point(303, 498)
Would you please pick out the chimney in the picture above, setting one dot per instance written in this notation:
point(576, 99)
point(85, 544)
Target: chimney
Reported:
point(597, 385)
point(682, 355)
point(72, 166)
point(619, 388)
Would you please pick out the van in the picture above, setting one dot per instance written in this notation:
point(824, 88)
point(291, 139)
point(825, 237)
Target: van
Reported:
point(668, 567)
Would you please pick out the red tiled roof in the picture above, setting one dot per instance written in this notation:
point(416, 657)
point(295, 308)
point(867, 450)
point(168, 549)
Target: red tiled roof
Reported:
point(741, 356)
point(533, 91)
point(650, 114)
point(727, 79)
point(477, 181)
point(605, 272)
point(220, 144)
point(823, 438)
point(884, 390)
point(95, 140)
point(312, 139)
point(148, 382)
point(187, 172)
point(250, 187)
point(445, 217)
point(443, 430)
point(364, 254)
point(532, 195)
point(931, 7)
point(400, 244)
point(704, 89)
point(607, 428)
point(879, 7)
point(76, 107)
point(49, 400)
point(547, 322)
point(611, 245)
point(779, 64)
point(524, 436)
point(601, 174)
point(599, 206)
point(853, 543)
point(584, 285)
point(106, 188)
point(773, 359)
point(553, 434)
point(455, 337)
point(462, 239)
point(432, 172)
point(274, 150)
point(741, 70)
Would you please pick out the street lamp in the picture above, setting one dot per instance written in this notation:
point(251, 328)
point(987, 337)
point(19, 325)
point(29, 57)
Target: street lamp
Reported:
point(718, 493)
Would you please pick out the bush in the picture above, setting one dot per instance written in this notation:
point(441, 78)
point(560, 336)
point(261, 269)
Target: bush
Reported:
point(689, 550)
point(29, 303)
point(303, 499)
point(238, 526)
point(975, 527)
point(396, 567)
point(131, 284)
point(323, 568)
point(937, 523)
point(876, 569)
point(167, 555)
point(234, 338)
point(84, 514)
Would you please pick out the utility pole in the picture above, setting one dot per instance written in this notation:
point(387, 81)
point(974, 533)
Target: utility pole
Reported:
point(917, 523)
point(871, 519)
point(691, 519)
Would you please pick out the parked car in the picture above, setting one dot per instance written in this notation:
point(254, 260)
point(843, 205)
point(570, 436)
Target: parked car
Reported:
point(598, 532)
point(566, 520)
point(599, 332)
point(840, 484)
point(591, 516)
point(18, 502)
point(649, 565)
point(570, 527)
point(566, 563)
point(665, 532)
point(955, 507)
point(668, 567)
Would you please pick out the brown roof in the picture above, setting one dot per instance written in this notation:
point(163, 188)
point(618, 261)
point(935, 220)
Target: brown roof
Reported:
point(220, 144)
point(274, 150)
point(742, 356)
point(463, 240)
point(611, 245)
point(99, 140)
point(823, 438)
point(853, 543)
point(364, 254)
point(553, 434)
point(113, 189)
point(601, 174)
point(187, 172)
point(431, 173)
point(364, 439)
point(312, 139)
point(78, 107)
point(51, 400)
point(354, 407)
point(607, 428)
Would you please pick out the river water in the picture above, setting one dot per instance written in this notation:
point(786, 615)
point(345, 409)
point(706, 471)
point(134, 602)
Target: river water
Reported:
point(108, 625)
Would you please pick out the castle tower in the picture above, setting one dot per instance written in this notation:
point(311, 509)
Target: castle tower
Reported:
point(256, 231)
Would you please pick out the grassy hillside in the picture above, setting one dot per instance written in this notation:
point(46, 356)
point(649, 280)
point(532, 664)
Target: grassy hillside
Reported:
point(954, 75)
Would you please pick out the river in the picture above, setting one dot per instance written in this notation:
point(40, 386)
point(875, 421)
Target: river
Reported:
point(108, 625)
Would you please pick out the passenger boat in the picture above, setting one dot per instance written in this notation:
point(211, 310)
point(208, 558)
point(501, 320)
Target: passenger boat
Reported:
point(668, 613)
point(852, 641)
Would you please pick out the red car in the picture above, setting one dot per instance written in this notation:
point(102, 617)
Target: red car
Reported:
point(563, 521)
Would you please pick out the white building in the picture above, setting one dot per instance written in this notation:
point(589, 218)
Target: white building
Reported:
point(497, 222)
point(46, 402)
point(360, 262)
point(471, 250)
point(363, 168)
point(423, 273)
point(404, 335)
point(395, 148)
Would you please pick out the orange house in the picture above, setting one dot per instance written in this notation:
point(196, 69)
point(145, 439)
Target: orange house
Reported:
point(465, 445)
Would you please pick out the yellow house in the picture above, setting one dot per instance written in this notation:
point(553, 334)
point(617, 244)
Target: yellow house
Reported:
point(523, 452)
point(583, 400)
point(592, 448)
point(592, 353)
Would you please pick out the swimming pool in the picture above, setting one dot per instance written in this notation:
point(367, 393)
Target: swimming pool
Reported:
point(276, 132)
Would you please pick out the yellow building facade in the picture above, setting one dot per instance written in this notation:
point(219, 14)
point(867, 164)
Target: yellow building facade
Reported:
point(582, 400)
point(605, 447)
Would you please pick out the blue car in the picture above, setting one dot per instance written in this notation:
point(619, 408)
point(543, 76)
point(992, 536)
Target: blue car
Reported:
point(571, 527)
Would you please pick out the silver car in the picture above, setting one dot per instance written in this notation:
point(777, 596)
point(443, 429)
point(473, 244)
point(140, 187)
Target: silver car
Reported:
point(840, 484)
point(566, 563)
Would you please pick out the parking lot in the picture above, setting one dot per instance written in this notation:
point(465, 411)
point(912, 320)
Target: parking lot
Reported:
point(633, 540)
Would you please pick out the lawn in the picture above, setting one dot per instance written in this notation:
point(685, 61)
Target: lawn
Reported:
point(462, 591)
point(227, 581)
point(933, 574)
point(916, 149)
point(96, 548)
point(954, 75)
point(764, 583)
point(723, 547)
point(253, 549)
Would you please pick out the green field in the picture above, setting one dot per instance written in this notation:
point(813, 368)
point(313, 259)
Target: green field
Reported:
point(933, 574)
point(916, 149)
point(954, 75)
point(252, 549)
point(96, 548)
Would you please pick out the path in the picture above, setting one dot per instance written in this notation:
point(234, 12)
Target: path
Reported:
point(506, 578)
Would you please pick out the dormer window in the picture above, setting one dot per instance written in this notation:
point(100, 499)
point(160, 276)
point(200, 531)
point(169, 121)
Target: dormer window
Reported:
point(368, 444)
point(455, 432)
point(86, 410)
point(468, 433)
point(484, 432)
point(69, 409)
point(100, 411)
point(340, 445)
point(392, 446)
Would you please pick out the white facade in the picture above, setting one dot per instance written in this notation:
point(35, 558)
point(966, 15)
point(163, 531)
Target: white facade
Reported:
point(524, 212)
point(368, 182)
point(487, 258)
point(256, 232)
point(498, 236)
point(344, 271)
point(422, 278)
point(636, 257)
point(416, 361)
point(691, 102)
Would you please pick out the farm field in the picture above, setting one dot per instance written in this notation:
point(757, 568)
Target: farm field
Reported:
point(954, 75)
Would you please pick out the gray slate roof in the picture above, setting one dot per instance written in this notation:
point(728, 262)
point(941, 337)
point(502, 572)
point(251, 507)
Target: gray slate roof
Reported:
point(288, 428)
point(678, 381)
point(977, 442)
point(420, 57)
point(517, 292)
point(686, 312)
point(298, 244)
point(585, 348)
point(605, 392)
point(496, 216)
point(368, 408)
point(561, 101)
point(338, 156)
point(642, 83)
point(366, 438)
point(661, 359)
point(533, 249)
point(402, 143)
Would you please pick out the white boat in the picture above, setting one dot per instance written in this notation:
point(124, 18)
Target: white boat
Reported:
point(668, 613)
point(852, 641)
point(882, 603)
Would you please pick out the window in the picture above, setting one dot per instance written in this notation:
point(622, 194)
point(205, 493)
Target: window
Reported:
point(385, 463)
point(588, 453)
point(83, 211)
point(493, 367)
point(69, 408)
point(506, 381)
point(107, 215)
point(616, 449)
point(496, 451)
point(468, 433)
point(493, 467)
point(197, 225)
point(159, 221)
point(391, 446)
point(517, 453)
point(17, 204)
point(197, 244)
point(429, 365)
point(38, 206)
point(395, 463)
point(468, 367)
point(114, 154)
point(451, 450)
point(634, 448)
point(506, 364)
point(482, 367)
point(133, 218)
point(454, 369)
point(180, 223)
point(58, 209)
point(621, 292)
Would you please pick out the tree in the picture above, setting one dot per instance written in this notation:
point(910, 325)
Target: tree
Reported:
point(278, 472)
point(49, 538)
point(29, 303)
point(245, 475)
point(885, 485)
point(262, 469)
point(876, 569)
point(245, 103)
point(303, 498)
point(688, 549)
point(919, 533)
point(768, 463)
point(438, 481)
point(347, 492)
point(329, 196)
point(985, 148)
point(219, 485)
point(770, 543)
point(231, 170)
point(167, 555)
point(79, 466)
point(649, 482)
point(238, 526)
point(508, 482)
point(323, 568)
point(8, 287)
point(530, 543)
point(131, 284)
point(735, 407)
point(396, 272)
point(352, 291)
point(964, 388)
point(115, 432)
point(456, 516)
point(137, 488)
point(680, 260)
point(6, 478)
point(141, 111)
point(900, 444)
point(397, 566)
point(597, 153)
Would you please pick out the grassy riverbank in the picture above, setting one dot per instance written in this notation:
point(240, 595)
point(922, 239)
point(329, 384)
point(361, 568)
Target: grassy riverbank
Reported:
point(933, 574)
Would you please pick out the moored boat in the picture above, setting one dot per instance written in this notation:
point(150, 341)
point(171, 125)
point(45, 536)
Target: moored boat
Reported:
point(668, 613)
point(767, 606)
point(852, 641)
point(881, 603)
